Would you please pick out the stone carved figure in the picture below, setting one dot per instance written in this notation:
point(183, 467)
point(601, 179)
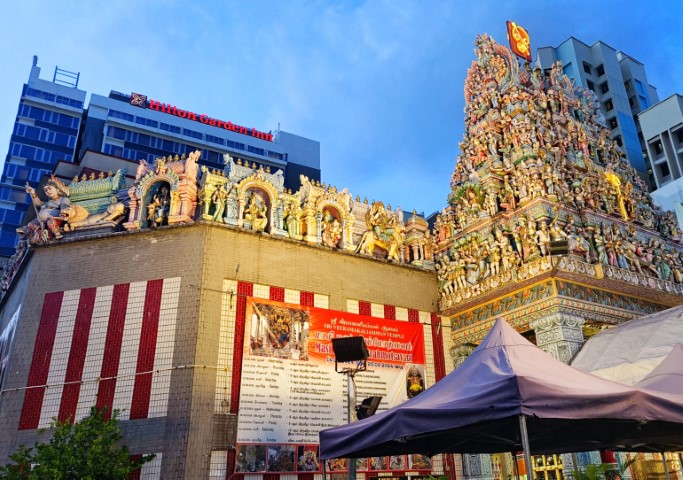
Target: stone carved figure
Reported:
point(331, 229)
point(294, 221)
point(383, 231)
point(158, 208)
point(255, 212)
point(49, 220)
point(77, 216)
point(219, 199)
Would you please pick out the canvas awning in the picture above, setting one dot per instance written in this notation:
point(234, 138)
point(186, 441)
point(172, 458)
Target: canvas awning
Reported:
point(628, 352)
point(477, 409)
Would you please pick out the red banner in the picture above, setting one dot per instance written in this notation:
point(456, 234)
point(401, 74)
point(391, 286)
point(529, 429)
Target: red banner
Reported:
point(305, 333)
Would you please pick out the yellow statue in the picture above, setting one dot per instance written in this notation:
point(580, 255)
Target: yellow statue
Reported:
point(255, 213)
point(615, 181)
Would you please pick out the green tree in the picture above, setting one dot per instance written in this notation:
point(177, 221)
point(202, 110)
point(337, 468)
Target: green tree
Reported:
point(85, 450)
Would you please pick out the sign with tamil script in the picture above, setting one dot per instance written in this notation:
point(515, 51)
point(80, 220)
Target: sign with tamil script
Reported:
point(290, 389)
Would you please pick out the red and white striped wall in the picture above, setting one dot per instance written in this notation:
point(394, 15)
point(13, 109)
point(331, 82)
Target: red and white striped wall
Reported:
point(105, 346)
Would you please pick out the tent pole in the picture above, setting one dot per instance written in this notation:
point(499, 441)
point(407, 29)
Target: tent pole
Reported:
point(525, 445)
point(666, 467)
point(514, 464)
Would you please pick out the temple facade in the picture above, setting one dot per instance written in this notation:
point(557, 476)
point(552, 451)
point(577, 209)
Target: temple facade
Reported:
point(548, 226)
point(188, 300)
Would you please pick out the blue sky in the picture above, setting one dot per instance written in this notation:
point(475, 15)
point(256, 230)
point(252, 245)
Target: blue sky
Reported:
point(378, 83)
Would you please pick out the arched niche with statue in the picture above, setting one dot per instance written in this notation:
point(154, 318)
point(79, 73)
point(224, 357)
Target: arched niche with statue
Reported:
point(258, 204)
point(326, 209)
point(164, 193)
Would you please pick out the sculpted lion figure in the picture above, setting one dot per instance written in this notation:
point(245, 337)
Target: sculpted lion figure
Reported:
point(369, 241)
point(77, 216)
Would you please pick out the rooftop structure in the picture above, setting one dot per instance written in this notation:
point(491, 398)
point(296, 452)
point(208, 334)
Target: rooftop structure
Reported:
point(54, 125)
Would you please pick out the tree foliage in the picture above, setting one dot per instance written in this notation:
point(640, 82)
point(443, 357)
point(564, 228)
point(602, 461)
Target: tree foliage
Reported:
point(603, 471)
point(85, 450)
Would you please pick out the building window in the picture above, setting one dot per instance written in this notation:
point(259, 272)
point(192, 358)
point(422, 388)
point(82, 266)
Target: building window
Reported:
point(237, 145)
point(639, 87)
point(609, 106)
point(259, 151)
point(587, 68)
point(192, 133)
point(568, 70)
point(632, 101)
point(121, 115)
point(664, 170)
point(679, 135)
point(613, 123)
point(627, 86)
point(212, 139)
point(600, 69)
point(604, 87)
point(169, 128)
point(146, 121)
point(590, 84)
point(619, 141)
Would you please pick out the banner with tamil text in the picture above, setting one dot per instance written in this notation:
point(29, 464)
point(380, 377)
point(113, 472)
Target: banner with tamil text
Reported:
point(290, 389)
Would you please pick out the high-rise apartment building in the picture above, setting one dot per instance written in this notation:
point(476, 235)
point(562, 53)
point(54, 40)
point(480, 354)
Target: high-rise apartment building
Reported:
point(45, 131)
point(619, 81)
point(662, 126)
point(54, 125)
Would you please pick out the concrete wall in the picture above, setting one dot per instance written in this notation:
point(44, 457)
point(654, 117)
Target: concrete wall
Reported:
point(203, 256)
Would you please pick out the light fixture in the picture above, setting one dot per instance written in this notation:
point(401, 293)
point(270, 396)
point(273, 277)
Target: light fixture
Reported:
point(350, 349)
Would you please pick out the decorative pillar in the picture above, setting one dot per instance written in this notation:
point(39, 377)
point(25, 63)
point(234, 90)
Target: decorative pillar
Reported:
point(311, 224)
point(477, 467)
point(559, 334)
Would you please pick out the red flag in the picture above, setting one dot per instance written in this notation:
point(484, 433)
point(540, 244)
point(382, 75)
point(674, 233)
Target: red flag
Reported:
point(520, 44)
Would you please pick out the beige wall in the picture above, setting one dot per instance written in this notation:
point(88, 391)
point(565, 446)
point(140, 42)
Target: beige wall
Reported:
point(203, 255)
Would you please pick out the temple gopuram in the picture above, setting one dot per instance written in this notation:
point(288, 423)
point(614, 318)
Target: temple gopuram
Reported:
point(201, 303)
point(547, 225)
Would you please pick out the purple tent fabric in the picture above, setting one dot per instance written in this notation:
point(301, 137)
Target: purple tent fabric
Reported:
point(668, 375)
point(476, 409)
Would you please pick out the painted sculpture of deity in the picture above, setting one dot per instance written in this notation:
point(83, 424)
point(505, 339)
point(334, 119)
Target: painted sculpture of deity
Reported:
point(331, 229)
point(48, 222)
point(219, 199)
point(383, 231)
point(255, 213)
point(158, 208)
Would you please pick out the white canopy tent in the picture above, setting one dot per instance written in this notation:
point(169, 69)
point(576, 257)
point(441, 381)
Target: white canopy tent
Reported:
point(628, 352)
